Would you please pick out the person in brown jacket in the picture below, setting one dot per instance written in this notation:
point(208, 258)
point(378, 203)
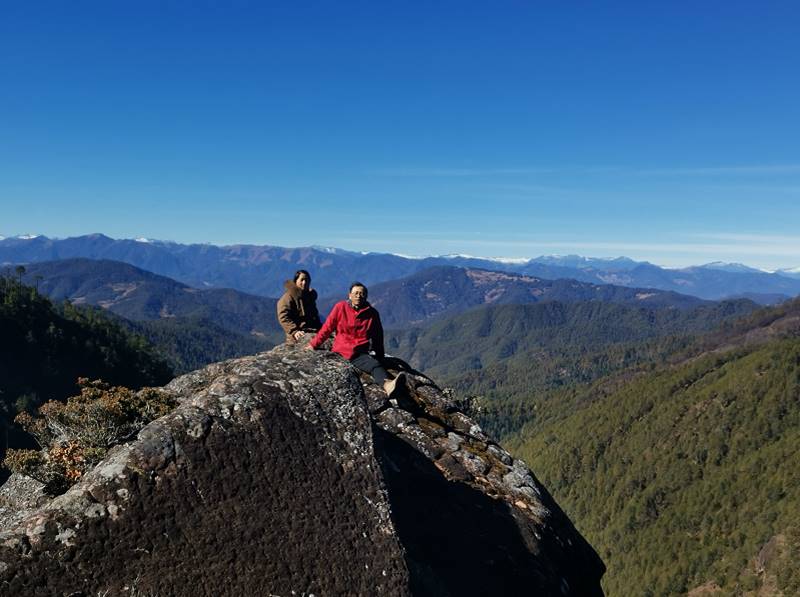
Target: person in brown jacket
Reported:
point(297, 308)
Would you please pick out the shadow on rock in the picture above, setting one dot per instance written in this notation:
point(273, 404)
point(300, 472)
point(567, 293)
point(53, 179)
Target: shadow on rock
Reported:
point(459, 541)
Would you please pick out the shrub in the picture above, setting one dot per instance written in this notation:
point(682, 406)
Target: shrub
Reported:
point(76, 435)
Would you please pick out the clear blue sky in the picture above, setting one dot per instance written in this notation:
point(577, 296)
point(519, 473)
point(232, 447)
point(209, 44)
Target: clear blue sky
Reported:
point(667, 131)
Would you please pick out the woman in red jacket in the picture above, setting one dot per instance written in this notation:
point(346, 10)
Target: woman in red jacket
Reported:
point(359, 332)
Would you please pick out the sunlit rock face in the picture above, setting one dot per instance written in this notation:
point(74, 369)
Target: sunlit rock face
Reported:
point(285, 473)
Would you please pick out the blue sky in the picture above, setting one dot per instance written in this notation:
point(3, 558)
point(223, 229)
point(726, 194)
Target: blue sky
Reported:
point(661, 131)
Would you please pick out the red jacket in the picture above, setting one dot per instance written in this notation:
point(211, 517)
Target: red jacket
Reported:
point(357, 332)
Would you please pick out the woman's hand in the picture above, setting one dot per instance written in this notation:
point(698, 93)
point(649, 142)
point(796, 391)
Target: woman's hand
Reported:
point(298, 334)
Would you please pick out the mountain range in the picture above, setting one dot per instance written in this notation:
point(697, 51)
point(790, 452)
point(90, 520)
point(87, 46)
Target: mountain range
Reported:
point(261, 270)
point(193, 327)
point(435, 292)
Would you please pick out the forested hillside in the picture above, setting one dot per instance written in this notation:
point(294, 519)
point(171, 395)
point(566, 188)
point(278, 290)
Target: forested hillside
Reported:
point(686, 475)
point(190, 327)
point(493, 334)
point(509, 355)
point(140, 295)
point(189, 343)
point(44, 349)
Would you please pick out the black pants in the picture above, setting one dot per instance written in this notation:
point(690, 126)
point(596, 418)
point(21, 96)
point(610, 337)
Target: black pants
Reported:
point(371, 365)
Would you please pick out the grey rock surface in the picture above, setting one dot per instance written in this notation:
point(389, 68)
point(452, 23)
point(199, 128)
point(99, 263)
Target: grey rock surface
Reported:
point(285, 473)
point(19, 496)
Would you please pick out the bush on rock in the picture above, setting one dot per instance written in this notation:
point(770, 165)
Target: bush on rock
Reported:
point(76, 435)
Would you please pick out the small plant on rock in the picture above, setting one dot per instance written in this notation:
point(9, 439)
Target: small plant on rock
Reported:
point(76, 435)
point(473, 406)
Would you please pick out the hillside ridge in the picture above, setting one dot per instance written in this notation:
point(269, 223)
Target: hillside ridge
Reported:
point(704, 443)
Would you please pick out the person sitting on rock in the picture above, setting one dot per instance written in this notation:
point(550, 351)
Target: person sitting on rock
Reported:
point(359, 332)
point(297, 308)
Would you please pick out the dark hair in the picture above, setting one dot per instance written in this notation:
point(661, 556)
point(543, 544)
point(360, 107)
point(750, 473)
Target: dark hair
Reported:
point(299, 273)
point(354, 284)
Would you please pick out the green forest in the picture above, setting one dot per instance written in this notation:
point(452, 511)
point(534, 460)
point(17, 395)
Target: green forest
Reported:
point(189, 343)
point(45, 348)
point(685, 474)
point(509, 358)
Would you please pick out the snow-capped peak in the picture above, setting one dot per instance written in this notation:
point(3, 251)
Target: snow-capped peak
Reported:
point(730, 267)
point(337, 251)
point(580, 262)
point(495, 259)
point(457, 256)
point(331, 250)
point(28, 236)
point(510, 260)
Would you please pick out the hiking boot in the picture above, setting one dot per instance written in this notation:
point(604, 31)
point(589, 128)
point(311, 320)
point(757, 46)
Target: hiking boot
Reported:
point(390, 387)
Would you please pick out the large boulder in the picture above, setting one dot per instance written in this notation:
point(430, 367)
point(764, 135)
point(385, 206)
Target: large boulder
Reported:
point(285, 473)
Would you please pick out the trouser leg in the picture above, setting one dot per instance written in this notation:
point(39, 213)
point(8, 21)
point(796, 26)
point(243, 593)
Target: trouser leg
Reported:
point(371, 365)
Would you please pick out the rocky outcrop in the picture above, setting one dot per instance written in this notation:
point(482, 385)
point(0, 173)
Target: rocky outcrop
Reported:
point(285, 473)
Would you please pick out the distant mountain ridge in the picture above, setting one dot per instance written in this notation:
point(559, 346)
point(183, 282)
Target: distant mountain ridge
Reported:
point(261, 270)
point(579, 262)
point(731, 267)
point(447, 290)
point(438, 291)
point(253, 269)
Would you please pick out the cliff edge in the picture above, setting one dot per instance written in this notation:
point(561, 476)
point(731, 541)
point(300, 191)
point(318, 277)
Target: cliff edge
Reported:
point(285, 473)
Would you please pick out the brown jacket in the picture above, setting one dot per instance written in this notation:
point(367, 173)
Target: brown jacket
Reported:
point(297, 310)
